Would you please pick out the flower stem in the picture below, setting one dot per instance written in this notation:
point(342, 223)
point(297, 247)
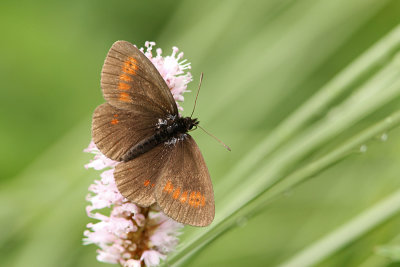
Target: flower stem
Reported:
point(347, 233)
point(340, 84)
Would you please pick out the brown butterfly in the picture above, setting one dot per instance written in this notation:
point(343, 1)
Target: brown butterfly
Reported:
point(141, 127)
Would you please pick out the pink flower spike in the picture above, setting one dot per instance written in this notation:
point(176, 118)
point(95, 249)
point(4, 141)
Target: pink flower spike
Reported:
point(126, 234)
point(133, 263)
point(152, 257)
point(172, 69)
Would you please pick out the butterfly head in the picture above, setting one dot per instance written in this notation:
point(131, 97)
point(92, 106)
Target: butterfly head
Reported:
point(190, 124)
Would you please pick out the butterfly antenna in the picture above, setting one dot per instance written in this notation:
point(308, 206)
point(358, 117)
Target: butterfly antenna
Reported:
point(222, 143)
point(198, 91)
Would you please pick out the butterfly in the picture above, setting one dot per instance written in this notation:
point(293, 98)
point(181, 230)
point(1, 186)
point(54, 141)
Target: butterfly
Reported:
point(139, 126)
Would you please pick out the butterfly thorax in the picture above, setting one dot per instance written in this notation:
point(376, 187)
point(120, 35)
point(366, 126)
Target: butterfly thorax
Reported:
point(169, 131)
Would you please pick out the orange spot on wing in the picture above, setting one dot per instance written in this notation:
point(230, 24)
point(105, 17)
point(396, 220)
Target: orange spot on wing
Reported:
point(152, 185)
point(177, 192)
point(114, 121)
point(203, 201)
point(132, 61)
point(124, 86)
point(168, 187)
point(115, 115)
point(198, 199)
point(125, 78)
point(128, 70)
point(124, 97)
point(130, 66)
point(183, 197)
point(192, 198)
point(146, 183)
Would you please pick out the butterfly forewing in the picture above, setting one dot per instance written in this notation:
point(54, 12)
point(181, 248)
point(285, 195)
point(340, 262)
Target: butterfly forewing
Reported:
point(129, 79)
point(184, 190)
point(114, 131)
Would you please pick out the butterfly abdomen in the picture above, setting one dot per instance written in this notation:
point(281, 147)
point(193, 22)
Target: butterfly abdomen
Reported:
point(168, 132)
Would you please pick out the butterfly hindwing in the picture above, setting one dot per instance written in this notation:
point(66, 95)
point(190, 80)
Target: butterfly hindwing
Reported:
point(130, 79)
point(184, 190)
point(136, 179)
point(114, 131)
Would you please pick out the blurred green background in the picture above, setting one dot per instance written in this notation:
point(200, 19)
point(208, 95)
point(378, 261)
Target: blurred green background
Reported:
point(261, 60)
